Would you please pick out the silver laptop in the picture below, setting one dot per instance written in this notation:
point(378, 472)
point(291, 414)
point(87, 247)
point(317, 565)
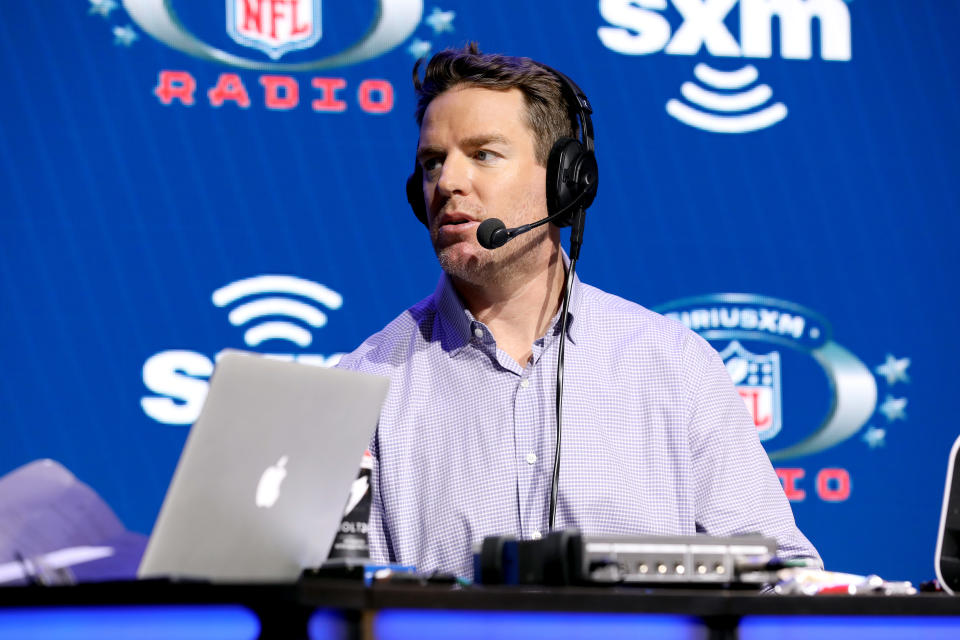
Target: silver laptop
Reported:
point(261, 485)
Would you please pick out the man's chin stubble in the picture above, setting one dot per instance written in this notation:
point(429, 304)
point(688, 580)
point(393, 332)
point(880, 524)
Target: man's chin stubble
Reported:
point(485, 268)
point(473, 270)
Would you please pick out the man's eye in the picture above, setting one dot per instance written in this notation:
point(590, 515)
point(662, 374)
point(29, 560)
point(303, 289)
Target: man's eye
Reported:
point(431, 164)
point(483, 156)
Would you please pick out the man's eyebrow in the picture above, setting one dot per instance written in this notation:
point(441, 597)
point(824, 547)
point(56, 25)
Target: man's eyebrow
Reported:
point(427, 151)
point(471, 142)
point(484, 139)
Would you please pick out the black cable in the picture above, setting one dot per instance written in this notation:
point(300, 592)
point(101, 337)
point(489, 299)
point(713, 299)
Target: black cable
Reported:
point(576, 239)
point(555, 484)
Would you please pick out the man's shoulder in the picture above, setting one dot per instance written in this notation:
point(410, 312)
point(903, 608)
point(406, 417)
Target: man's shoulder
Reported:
point(611, 317)
point(389, 347)
point(609, 312)
point(596, 300)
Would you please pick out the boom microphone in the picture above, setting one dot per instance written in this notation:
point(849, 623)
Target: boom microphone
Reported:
point(493, 234)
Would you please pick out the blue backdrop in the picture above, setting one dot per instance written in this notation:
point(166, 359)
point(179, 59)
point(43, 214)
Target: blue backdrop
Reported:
point(781, 176)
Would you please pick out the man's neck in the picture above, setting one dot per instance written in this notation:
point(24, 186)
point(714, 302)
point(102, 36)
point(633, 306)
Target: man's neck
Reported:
point(517, 310)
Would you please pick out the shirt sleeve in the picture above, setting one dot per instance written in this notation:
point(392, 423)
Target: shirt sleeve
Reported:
point(736, 490)
point(377, 530)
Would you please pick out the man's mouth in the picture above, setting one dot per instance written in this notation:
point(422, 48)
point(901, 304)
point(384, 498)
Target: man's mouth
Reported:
point(455, 219)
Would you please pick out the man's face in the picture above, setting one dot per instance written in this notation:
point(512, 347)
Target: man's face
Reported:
point(478, 160)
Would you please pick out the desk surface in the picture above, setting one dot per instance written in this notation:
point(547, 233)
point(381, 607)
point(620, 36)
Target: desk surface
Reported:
point(333, 609)
point(350, 595)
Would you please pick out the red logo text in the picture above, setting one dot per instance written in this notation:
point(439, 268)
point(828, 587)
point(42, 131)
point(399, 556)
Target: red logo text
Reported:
point(830, 485)
point(276, 92)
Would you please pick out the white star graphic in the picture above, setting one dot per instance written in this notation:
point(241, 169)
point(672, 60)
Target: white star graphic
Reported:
point(874, 437)
point(419, 48)
point(124, 36)
point(893, 408)
point(894, 369)
point(440, 21)
point(102, 7)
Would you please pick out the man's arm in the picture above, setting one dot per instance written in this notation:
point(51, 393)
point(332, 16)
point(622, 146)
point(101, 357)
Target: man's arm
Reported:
point(377, 529)
point(736, 490)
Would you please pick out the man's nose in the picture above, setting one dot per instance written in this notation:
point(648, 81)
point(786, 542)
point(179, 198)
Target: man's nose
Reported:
point(454, 176)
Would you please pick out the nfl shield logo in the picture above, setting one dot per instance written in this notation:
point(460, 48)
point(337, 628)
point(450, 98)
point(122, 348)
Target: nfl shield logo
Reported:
point(274, 26)
point(757, 379)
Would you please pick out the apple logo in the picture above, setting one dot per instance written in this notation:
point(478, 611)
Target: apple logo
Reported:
point(268, 489)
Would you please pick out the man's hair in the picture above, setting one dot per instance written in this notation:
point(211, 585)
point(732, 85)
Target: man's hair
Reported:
point(548, 115)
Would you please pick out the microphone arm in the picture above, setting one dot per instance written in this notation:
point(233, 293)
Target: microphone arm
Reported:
point(493, 234)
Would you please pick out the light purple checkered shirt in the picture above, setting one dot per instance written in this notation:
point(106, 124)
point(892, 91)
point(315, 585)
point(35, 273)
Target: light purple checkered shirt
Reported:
point(655, 438)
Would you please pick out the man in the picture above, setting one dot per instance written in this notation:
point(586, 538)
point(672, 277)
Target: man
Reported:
point(655, 438)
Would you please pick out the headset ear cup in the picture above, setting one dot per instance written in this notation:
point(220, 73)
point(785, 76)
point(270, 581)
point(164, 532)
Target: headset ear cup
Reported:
point(587, 176)
point(562, 165)
point(415, 194)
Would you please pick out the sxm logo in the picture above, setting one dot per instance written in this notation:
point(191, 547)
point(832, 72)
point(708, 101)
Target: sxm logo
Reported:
point(728, 101)
point(727, 320)
point(268, 307)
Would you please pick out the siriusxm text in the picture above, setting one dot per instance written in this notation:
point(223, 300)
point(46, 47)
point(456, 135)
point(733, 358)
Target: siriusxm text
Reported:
point(746, 318)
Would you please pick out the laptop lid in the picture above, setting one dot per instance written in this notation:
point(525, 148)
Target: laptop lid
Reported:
point(947, 559)
point(260, 488)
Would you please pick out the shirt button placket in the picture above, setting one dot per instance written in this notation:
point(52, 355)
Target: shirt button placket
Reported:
point(526, 473)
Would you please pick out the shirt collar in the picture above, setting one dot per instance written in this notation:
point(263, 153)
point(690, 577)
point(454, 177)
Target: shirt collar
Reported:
point(459, 324)
point(455, 319)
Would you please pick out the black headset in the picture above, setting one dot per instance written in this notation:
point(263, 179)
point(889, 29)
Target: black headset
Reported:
point(572, 172)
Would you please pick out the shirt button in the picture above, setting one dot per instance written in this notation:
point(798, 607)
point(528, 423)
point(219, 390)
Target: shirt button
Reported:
point(536, 535)
point(531, 458)
point(478, 332)
point(525, 383)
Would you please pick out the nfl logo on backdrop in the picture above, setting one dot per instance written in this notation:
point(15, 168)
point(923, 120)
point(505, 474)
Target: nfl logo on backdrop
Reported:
point(275, 27)
point(757, 379)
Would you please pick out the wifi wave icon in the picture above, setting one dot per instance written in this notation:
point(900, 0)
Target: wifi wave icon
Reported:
point(728, 108)
point(278, 296)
